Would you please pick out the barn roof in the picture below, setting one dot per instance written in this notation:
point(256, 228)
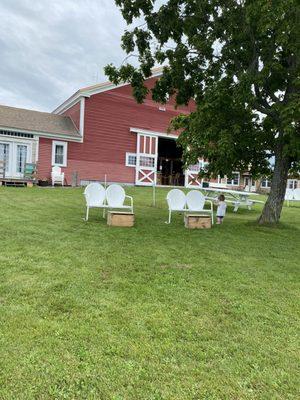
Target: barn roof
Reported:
point(36, 122)
point(108, 85)
point(94, 89)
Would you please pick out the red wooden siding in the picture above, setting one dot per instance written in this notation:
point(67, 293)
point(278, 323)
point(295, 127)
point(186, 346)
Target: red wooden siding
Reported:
point(45, 158)
point(107, 137)
point(86, 169)
point(170, 105)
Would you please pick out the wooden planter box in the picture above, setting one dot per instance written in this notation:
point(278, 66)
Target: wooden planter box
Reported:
point(196, 221)
point(120, 218)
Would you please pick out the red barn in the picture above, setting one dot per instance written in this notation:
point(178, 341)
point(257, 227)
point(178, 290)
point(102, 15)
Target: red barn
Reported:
point(101, 132)
point(98, 131)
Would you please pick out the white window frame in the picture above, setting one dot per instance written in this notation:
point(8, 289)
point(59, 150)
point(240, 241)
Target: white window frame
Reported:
point(65, 154)
point(292, 184)
point(267, 183)
point(147, 161)
point(232, 180)
point(127, 160)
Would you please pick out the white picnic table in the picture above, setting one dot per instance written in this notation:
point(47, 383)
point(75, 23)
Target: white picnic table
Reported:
point(235, 197)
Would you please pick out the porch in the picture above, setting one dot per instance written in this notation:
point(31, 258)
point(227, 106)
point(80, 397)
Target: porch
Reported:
point(17, 182)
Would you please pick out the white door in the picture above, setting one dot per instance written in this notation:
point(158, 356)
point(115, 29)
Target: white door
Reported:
point(5, 155)
point(146, 160)
point(15, 155)
point(21, 157)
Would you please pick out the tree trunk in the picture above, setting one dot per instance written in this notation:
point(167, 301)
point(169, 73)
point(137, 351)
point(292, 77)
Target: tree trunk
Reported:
point(272, 209)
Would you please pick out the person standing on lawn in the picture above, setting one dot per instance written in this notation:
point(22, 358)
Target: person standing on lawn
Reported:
point(221, 210)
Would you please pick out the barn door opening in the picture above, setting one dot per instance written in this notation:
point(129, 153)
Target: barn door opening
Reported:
point(170, 165)
point(146, 160)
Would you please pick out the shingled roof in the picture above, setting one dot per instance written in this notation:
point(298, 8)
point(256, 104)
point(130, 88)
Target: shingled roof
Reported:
point(36, 121)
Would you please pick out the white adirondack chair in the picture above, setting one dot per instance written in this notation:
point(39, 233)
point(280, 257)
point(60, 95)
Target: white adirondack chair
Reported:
point(195, 202)
point(297, 194)
point(95, 197)
point(57, 176)
point(176, 200)
point(292, 195)
point(289, 195)
point(116, 196)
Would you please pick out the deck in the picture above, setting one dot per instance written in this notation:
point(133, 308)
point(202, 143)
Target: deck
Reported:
point(17, 182)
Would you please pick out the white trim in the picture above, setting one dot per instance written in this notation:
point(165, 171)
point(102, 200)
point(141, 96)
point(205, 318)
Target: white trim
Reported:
point(37, 151)
point(65, 137)
point(153, 133)
point(137, 158)
point(42, 134)
point(95, 89)
point(81, 120)
point(127, 158)
point(77, 96)
point(102, 87)
point(16, 139)
point(65, 146)
point(70, 102)
point(156, 158)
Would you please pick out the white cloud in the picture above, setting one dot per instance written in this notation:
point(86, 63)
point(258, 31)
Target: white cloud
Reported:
point(49, 49)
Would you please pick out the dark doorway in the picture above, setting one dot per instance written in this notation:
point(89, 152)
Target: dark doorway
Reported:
point(169, 163)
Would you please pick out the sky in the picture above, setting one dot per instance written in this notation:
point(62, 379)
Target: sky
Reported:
point(51, 48)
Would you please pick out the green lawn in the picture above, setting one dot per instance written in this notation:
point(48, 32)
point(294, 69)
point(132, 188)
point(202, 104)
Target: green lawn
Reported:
point(152, 312)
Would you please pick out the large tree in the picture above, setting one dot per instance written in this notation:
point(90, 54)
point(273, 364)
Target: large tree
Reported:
point(239, 61)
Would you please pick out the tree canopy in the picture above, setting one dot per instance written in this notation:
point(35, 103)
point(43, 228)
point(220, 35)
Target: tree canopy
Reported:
point(239, 61)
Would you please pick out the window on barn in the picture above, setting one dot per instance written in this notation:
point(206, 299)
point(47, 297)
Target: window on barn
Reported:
point(147, 161)
point(130, 160)
point(265, 183)
point(235, 180)
point(59, 153)
point(292, 184)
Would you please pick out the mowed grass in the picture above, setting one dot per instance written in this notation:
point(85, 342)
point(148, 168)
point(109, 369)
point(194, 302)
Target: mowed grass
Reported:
point(151, 312)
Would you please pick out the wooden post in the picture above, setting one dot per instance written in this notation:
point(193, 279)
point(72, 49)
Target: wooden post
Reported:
point(74, 179)
point(153, 195)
